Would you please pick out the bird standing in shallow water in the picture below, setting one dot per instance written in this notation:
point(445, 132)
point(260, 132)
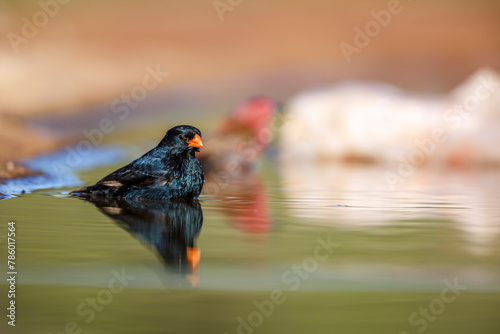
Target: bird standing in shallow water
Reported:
point(168, 171)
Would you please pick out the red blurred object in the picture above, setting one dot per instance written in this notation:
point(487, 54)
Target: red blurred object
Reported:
point(229, 155)
point(239, 140)
point(250, 213)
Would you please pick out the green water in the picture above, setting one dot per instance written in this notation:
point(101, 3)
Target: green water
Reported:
point(263, 264)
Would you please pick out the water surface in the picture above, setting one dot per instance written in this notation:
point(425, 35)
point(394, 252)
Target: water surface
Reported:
point(292, 249)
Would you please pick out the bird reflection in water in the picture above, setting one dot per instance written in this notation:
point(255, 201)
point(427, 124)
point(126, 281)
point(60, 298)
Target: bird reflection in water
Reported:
point(244, 201)
point(168, 227)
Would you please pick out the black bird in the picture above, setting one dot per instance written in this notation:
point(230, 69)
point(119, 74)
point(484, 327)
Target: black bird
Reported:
point(168, 171)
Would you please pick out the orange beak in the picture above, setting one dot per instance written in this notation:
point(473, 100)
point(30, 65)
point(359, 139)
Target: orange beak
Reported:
point(193, 256)
point(195, 142)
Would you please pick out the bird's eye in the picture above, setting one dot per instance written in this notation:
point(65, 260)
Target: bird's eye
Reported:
point(181, 137)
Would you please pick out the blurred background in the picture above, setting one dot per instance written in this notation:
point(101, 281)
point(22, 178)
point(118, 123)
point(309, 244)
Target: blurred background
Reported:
point(386, 144)
point(64, 58)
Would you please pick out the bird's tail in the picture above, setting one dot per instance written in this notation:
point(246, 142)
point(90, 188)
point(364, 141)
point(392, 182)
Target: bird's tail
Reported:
point(80, 192)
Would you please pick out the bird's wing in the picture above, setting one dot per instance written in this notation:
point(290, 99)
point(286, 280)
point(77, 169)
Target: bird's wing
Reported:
point(138, 172)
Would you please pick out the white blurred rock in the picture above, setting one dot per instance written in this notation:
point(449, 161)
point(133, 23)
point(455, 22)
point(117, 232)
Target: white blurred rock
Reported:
point(411, 176)
point(378, 123)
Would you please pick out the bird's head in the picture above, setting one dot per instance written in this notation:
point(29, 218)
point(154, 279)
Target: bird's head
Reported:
point(252, 116)
point(256, 113)
point(183, 138)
